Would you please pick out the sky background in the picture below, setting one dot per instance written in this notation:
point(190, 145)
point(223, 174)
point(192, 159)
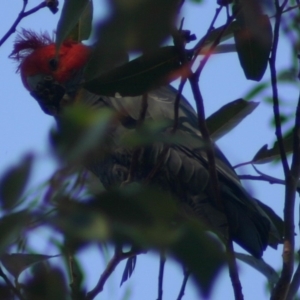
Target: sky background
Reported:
point(24, 128)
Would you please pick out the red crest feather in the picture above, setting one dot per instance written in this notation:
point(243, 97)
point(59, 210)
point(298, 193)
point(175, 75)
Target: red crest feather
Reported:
point(28, 41)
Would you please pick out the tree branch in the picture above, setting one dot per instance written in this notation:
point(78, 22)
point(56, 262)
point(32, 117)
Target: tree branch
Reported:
point(294, 286)
point(214, 182)
point(272, 64)
point(183, 285)
point(52, 4)
point(289, 243)
point(162, 262)
point(75, 279)
point(116, 259)
point(291, 176)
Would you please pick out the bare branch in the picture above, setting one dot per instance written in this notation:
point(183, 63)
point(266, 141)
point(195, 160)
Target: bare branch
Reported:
point(291, 176)
point(162, 262)
point(50, 3)
point(116, 259)
point(214, 182)
point(183, 285)
point(290, 207)
point(75, 278)
point(270, 179)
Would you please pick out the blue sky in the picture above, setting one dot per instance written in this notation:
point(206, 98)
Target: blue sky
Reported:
point(24, 128)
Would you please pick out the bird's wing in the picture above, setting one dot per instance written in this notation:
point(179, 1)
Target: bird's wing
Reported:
point(249, 222)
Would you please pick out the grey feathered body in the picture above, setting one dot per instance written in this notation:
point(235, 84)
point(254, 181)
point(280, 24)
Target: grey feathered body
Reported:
point(184, 172)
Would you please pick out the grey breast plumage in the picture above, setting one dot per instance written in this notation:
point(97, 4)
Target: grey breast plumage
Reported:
point(184, 172)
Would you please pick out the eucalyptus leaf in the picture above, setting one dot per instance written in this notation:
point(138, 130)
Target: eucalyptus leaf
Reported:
point(210, 38)
point(253, 39)
point(82, 130)
point(47, 284)
point(70, 16)
point(16, 263)
point(260, 265)
point(129, 268)
point(11, 227)
point(228, 117)
point(82, 30)
point(139, 75)
point(265, 155)
point(201, 254)
point(256, 90)
point(13, 183)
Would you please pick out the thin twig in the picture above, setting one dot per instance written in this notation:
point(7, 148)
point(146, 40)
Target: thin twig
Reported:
point(206, 137)
point(116, 259)
point(21, 16)
point(214, 45)
point(233, 271)
point(272, 63)
point(202, 42)
point(75, 279)
point(183, 285)
point(267, 178)
point(162, 261)
point(10, 285)
point(214, 182)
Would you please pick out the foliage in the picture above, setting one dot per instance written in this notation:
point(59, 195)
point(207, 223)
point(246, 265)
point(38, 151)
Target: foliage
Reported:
point(75, 207)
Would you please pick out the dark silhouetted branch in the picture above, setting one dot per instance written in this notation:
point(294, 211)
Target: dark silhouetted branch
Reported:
point(116, 259)
point(162, 262)
point(49, 3)
point(183, 285)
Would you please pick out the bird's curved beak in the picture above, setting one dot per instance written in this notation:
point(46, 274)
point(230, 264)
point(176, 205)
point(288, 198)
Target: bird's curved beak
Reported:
point(47, 92)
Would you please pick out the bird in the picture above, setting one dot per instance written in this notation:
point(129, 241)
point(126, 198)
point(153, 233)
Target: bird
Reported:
point(54, 77)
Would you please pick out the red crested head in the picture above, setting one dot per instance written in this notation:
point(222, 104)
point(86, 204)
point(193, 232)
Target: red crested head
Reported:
point(36, 55)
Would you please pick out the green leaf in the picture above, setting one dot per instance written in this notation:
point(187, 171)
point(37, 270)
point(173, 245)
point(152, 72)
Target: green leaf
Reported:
point(145, 217)
point(265, 155)
point(16, 263)
point(13, 183)
point(138, 213)
point(260, 265)
point(11, 227)
point(160, 132)
point(83, 28)
point(70, 16)
point(129, 268)
point(139, 75)
point(130, 27)
point(253, 39)
point(82, 130)
point(228, 117)
point(214, 34)
point(48, 285)
point(201, 254)
point(79, 222)
point(256, 90)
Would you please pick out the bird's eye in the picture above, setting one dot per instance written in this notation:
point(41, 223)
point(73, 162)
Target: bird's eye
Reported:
point(53, 63)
